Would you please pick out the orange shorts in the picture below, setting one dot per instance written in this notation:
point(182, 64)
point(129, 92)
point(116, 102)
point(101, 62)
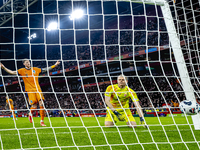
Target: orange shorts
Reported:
point(11, 108)
point(34, 98)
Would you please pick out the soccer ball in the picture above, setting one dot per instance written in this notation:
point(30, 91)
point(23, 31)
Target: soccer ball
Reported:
point(189, 107)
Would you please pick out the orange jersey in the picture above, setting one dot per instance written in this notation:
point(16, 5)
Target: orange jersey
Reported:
point(10, 103)
point(175, 104)
point(30, 78)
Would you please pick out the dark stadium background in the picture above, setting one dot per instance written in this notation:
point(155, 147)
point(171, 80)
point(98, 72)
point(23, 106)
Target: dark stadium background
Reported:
point(139, 36)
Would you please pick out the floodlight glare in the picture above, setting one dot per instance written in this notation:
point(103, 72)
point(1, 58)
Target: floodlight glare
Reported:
point(32, 36)
point(77, 14)
point(52, 26)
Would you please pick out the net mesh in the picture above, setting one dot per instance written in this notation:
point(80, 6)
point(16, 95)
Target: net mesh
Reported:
point(111, 38)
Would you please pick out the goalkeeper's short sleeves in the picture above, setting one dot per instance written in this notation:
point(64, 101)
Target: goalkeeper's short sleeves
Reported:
point(109, 91)
point(133, 95)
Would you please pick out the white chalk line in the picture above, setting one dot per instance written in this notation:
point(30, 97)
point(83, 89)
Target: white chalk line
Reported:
point(100, 132)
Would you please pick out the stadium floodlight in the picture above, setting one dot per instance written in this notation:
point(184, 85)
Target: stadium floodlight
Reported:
point(32, 36)
point(76, 14)
point(52, 26)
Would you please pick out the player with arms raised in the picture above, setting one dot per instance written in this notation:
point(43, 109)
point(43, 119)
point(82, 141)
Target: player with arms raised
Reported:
point(9, 104)
point(117, 98)
point(30, 77)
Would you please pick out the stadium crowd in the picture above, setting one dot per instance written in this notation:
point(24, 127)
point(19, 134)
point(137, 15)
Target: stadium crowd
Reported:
point(157, 92)
point(93, 98)
point(143, 36)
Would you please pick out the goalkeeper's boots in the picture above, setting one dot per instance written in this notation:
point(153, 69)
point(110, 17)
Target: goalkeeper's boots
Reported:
point(42, 124)
point(30, 118)
point(143, 123)
point(119, 116)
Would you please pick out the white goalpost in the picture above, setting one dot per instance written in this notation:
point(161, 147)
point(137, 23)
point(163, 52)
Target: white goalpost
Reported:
point(155, 43)
point(184, 75)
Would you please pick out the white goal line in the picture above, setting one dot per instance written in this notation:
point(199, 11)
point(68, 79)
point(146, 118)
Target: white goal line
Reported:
point(100, 132)
point(69, 127)
point(105, 145)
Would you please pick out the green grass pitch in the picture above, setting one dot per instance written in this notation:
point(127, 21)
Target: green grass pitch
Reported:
point(75, 135)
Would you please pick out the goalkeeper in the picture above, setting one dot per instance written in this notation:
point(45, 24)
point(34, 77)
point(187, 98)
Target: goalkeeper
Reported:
point(117, 98)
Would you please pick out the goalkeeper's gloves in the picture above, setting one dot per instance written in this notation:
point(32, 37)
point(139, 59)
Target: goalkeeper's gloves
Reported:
point(119, 116)
point(143, 123)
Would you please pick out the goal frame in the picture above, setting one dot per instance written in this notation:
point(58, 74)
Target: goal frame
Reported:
point(175, 45)
point(178, 54)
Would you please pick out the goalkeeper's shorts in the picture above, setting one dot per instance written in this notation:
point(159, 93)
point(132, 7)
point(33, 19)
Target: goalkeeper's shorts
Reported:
point(110, 116)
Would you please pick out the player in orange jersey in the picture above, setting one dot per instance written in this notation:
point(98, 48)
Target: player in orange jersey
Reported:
point(30, 77)
point(9, 104)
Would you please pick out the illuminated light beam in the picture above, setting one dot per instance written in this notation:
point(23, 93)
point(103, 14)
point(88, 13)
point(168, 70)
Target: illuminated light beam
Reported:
point(52, 26)
point(76, 14)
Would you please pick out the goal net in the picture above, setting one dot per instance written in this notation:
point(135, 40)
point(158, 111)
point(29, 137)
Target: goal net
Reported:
point(155, 43)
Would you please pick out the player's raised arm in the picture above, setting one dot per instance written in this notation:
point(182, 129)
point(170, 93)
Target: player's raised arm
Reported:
point(8, 70)
point(51, 67)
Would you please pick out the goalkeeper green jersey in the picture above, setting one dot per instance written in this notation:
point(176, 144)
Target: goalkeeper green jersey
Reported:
point(123, 95)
